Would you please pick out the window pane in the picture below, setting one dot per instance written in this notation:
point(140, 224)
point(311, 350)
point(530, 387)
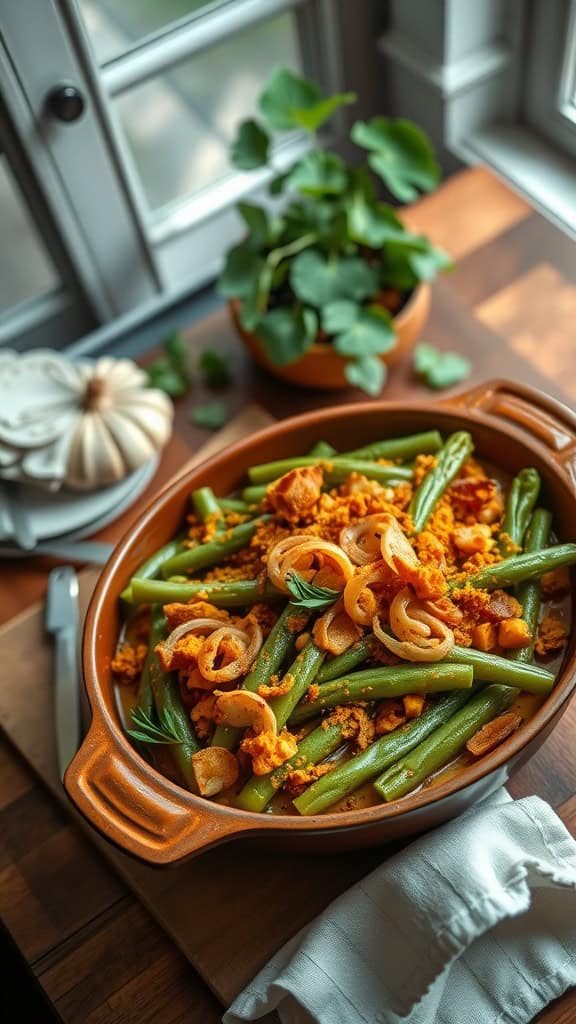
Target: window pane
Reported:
point(115, 27)
point(25, 269)
point(179, 125)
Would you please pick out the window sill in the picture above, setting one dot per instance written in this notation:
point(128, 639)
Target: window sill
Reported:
point(529, 165)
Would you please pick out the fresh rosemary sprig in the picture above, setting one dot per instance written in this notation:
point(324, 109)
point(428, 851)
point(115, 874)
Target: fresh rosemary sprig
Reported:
point(148, 731)
point(307, 595)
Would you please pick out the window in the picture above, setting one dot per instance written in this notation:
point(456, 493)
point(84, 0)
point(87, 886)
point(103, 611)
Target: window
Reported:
point(138, 188)
point(493, 82)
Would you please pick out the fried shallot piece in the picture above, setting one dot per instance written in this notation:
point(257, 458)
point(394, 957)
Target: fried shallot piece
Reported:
point(493, 733)
point(296, 493)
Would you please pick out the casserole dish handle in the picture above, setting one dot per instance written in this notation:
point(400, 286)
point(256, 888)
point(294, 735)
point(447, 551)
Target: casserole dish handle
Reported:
point(546, 419)
point(145, 816)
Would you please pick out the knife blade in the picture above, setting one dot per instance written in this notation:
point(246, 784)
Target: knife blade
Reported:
point(61, 621)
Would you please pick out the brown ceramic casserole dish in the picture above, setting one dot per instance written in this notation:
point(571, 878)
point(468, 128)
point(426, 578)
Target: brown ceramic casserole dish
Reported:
point(151, 817)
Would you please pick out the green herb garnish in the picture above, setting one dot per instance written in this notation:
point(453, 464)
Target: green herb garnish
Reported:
point(148, 731)
point(307, 595)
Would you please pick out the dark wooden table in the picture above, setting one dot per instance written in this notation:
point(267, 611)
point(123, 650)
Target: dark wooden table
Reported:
point(510, 305)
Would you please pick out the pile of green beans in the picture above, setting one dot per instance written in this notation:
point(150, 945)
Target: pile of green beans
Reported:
point(470, 687)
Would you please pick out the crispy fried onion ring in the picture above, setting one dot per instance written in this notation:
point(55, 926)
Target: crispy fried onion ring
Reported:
point(229, 651)
point(201, 626)
point(314, 559)
point(361, 540)
point(335, 631)
point(361, 592)
point(396, 549)
point(420, 636)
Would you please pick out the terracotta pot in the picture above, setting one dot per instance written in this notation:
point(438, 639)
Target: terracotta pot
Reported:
point(321, 366)
point(155, 819)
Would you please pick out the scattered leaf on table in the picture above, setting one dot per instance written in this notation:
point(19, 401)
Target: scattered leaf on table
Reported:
point(250, 147)
point(368, 373)
point(439, 369)
point(212, 416)
point(214, 368)
point(170, 373)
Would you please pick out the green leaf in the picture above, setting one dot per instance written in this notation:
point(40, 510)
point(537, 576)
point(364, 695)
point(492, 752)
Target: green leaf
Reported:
point(148, 731)
point(307, 595)
point(289, 101)
point(439, 369)
point(319, 281)
point(372, 334)
point(400, 153)
point(408, 259)
point(287, 334)
point(339, 315)
point(258, 224)
point(170, 373)
point(250, 147)
point(256, 300)
point(371, 223)
point(276, 186)
point(368, 373)
point(214, 369)
point(319, 174)
point(312, 117)
point(211, 416)
point(166, 378)
point(428, 260)
point(241, 270)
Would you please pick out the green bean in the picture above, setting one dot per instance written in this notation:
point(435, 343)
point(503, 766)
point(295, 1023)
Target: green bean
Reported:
point(491, 668)
point(169, 706)
point(279, 645)
point(145, 698)
point(348, 776)
point(400, 447)
point(450, 460)
point(318, 744)
point(322, 450)
point(234, 505)
point(522, 497)
point(233, 594)
point(444, 743)
point(206, 507)
point(389, 681)
point(214, 551)
point(522, 567)
point(254, 495)
point(529, 593)
point(303, 670)
point(151, 567)
point(344, 663)
point(337, 468)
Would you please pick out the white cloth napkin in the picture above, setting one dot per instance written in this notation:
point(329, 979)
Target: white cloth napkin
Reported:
point(474, 923)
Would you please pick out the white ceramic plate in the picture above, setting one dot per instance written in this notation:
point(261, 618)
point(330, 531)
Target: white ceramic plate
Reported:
point(71, 515)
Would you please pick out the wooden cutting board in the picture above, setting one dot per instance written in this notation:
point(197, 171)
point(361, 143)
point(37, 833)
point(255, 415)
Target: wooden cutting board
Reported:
point(228, 910)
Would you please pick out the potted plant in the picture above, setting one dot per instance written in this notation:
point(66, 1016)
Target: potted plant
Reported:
point(332, 288)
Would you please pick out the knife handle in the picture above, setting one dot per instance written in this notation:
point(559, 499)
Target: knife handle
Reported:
point(66, 697)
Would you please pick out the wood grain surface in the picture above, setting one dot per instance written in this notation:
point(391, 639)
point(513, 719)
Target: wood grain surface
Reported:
point(97, 953)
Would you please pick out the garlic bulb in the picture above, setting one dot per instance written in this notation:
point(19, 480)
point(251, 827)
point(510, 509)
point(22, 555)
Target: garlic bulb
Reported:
point(118, 422)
